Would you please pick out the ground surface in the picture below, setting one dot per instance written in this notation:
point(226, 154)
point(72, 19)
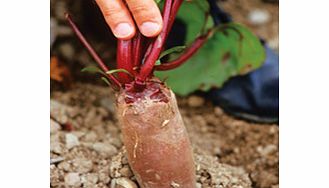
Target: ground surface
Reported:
point(86, 149)
point(265, 19)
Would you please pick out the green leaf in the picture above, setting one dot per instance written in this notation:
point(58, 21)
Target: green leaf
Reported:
point(194, 13)
point(93, 69)
point(158, 1)
point(106, 81)
point(202, 4)
point(172, 50)
point(232, 50)
point(118, 70)
point(158, 62)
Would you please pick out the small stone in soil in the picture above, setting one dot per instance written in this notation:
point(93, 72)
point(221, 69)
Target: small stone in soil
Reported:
point(125, 171)
point(89, 180)
point(218, 111)
point(56, 160)
point(67, 51)
point(195, 101)
point(264, 151)
point(258, 17)
point(82, 165)
point(106, 150)
point(56, 147)
point(90, 137)
point(65, 166)
point(103, 177)
point(71, 140)
point(54, 127)
point(108, 104)
point(72, 179)
point(124, 182)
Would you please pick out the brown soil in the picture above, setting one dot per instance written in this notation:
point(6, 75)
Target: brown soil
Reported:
point(86, 147)
point(240, 9)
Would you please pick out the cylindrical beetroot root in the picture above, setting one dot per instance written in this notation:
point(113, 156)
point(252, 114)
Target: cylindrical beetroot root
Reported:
point(157, 144)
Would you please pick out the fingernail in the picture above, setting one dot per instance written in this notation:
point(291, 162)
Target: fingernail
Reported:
point(123, 30)
point(150, 29)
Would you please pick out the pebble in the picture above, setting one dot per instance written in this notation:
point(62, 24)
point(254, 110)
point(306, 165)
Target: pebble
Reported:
point(198, 185)
point(90, 137)
point(116, 142)
point(56, 147)
point(56, 160)
point(108, 104)
point(259, 17)
point(103, 177)
point(65, 166)
point(67, 51)
point(54, 127)
point(72, 179)
point(217, 150)
point(273, 130)
point(71, 140)
point(218, 111)
point(124, 182)
point(195, 101)
point(264, 151)
point(82, 165)
point(89, 180)
point(107, 150)
point(59, 111)
point(274, 43)
point(125, 171)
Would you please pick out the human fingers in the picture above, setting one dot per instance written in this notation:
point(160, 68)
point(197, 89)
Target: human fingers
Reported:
point(118, 18)
point(147, 16)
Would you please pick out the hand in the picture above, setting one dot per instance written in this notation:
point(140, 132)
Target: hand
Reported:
point(145, 13)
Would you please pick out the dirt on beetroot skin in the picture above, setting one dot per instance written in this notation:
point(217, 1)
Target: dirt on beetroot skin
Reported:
point(228, 152)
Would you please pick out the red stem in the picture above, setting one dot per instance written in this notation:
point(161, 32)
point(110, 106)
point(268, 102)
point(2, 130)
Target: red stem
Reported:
point(173, 13)
point(186, 55)
point(90, 49)
point(124, 60)
point(157, 45)
point(137, 50)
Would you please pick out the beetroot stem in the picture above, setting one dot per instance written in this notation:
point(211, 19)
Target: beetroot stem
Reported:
point(137, 50)
point(124, 60)
point(157, 45)
point(173, 13)
point(90, 49)
point(198, 42)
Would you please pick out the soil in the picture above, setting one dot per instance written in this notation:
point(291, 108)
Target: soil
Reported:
point(268, 30)
point(86, 148)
